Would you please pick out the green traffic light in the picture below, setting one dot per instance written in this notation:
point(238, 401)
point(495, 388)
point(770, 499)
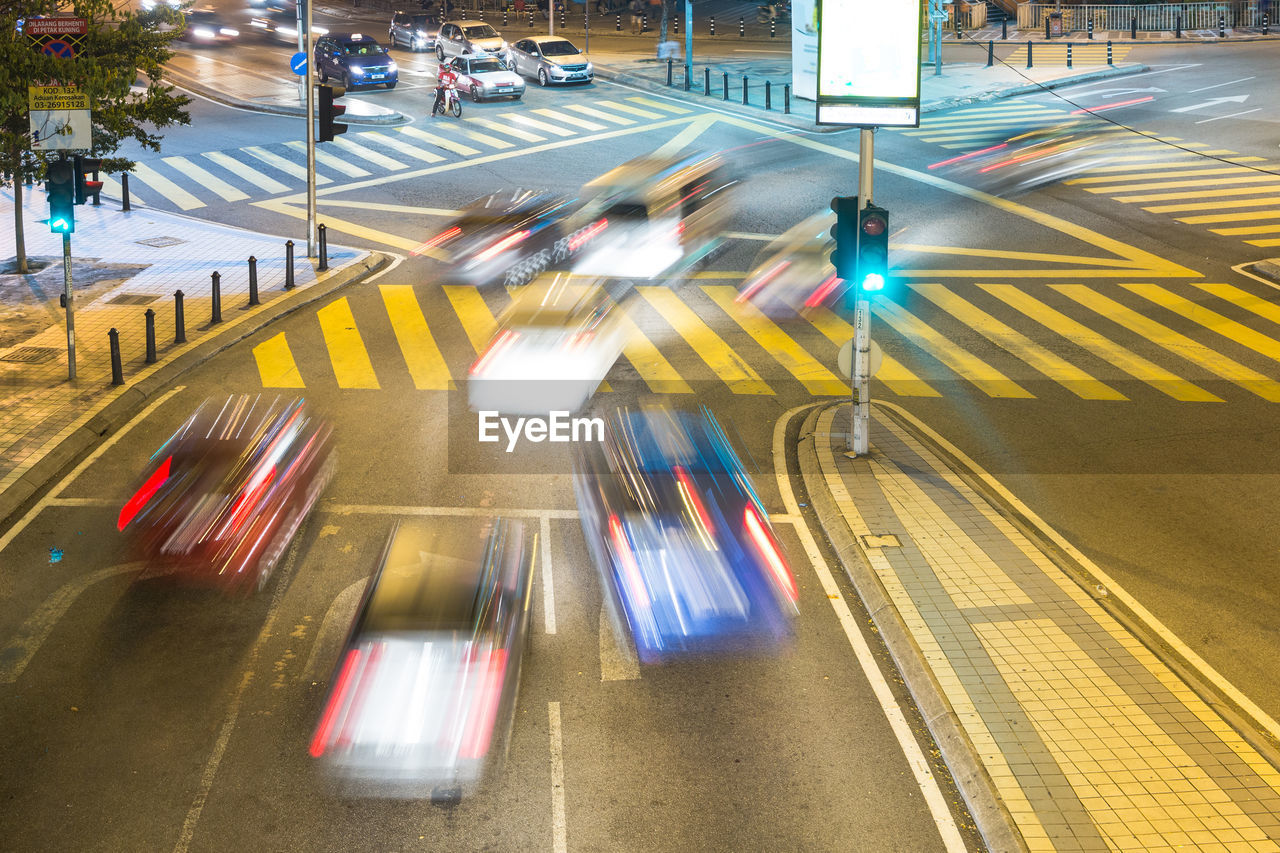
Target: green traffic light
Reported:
point(873, 282)
point(59, 225)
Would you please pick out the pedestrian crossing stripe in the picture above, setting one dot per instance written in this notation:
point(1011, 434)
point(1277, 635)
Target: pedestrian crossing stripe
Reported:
point(510, 131)
point(630, 109)
point(521, 118)
point(1242, 299)
point(660, 105)
point(892, 372)
point(1213, 205)
point(1270, 180)
point(485, 139)
point(203, 177)
point(1249, 230)
point(326, 159)
point(1246, 216)
point(165, 187)
point(246, 172)
point(600, 114)
point(290, 168)
point(276, 366)
point(400, 145)
point(422, 356)
point(439, 141)
point(718, 355)
point(1188, 170)
point(347, 353)
point(477, 320)
point(572, 121)
point(1211, 320)
point(378, 159)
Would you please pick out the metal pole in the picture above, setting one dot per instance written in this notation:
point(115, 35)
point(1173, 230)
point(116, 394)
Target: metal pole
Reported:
point(725, 84)
point(991, 53)
point(937, 40)
point(744, 90)
point(117, 371)
point(786, 98)
point(861, 408)
point(124, 191)
point(706, 81)
point(179, 319)
point(768, 101)
point(1068, 54)
point(670, 65)
point(288, 264)
point(324, 246)
point(253, 280)
point(1029, 43)
point(311, 141)
point(69, 297)
point(586, 24)
point(150, 315)
point(216, 290)
point(551, 17)
point(688, 42)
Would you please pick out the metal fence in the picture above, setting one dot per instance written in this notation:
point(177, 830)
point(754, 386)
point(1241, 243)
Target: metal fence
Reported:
point(1161, 17)
point(972, 16)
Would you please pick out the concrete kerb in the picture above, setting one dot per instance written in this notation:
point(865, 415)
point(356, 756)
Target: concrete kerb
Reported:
point(116, 412)
point(1033, 88)
point(989, 812)
point(182, 81)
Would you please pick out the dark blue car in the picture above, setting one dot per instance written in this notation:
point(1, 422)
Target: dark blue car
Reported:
point(355, 59)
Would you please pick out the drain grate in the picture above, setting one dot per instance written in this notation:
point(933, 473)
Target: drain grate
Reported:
point(159, 242)
point(31, 355)
point(132, 299)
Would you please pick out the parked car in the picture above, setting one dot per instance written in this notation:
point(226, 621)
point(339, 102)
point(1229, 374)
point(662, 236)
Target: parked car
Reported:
point(414, 30)
point(483, 76)
point(551, 59)
point(458, 38)
point(356, 60)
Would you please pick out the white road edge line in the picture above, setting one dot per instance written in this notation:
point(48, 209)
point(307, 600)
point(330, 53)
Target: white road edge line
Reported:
point(548, 585)
point(1219, 85)
point(399, 259)
point(559, 843)
point(925, 779)
point(79, 469)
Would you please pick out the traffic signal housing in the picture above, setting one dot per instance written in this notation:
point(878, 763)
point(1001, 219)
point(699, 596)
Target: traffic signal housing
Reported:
point(873, 249)
point(81, 168)
point(845, 231)
point(60, 183)
point(328, 111)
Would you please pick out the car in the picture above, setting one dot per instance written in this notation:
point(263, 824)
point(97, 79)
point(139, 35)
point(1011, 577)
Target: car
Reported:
point(220, 500)
point(484, 76)
point(794, 273)
point(423, 695)
point(354, 59)
point(1038, 157)
point(684, 546)
point(278, 21)
point(554, 346)
point(506, 237)
point(206, 27)
point(415, 30)
point(551, 59)
point(458, 38)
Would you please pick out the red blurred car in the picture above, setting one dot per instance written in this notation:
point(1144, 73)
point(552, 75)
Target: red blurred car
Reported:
point(224, 496)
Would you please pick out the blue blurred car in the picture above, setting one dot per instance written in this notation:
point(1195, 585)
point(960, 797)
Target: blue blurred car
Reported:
point(685, 547)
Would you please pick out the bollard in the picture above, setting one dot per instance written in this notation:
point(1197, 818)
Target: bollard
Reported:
point(617, 25)
point(530, 20)
point(670, 63)
point(482, 14)
point(675, 22)
point(216, 316)
point(773, 28)
point(288, 265)
point(1222, 26)
point(1133, 27)
point(1046, 28)
point(97, 197)
point(179, 321)
point(688, 74)
point(1090, 29)
point(1109, 62)
point(124, 191)
point(768, 103)
point(706, 81)
point(644, 24)
point(504, 19)
point(726, 84)
point(1177, 29)
point(991, 53)
point(1068, 54)
point(323, 234)
point(713, 25)
point(742, 28)
point(563, 26)
point(253, 280)
point(117, 372)
point(1029, 53)
point(1004, 30)
point(1265, 26)
point(150, 314)
point(744, 90)
point(786, 98)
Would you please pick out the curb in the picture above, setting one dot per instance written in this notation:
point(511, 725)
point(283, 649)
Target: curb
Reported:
point(135, 395)
point(182, 81)
point(1032, 88)
point(1269, 270)
point(993, 820)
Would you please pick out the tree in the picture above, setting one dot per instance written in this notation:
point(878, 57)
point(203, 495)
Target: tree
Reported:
point(120, 48)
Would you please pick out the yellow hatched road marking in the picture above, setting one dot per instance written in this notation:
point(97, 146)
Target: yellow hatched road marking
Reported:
point(1203, 182)
point(166, 187)
point(1211, 320)
point(1248, 229)
point(1213, 205)
point(347, 354)
point(1150, 176)
point(660, 105)
point(892, 373)
point(401, 146)
point(476, 318)
point(600, 114)
point(1107, 350)
point(276, 366)
point(1196, 194)
point(967, 120)
point(439, 141)
point(565, 118)
point(628, 108)
point(486, 139)
point(539, 125)
point(374, 157)
point(1174, 342)
point(421, 354)
point(205, 179)
point(329, 160)
point(718, 355)
point(507, 129)
point(817, 379)
point(253, 176)
point(1243, 299)
point(1266, 244)
point(1245, 216)
point(277, 162)
point(1144, 162)
point(653, 368)
point(960, 360)
point(1015, 112)
point(1051, 365)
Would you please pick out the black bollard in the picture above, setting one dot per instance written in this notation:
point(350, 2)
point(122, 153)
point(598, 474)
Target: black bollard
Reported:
point(253, 280)
point(773, 28)
point(117, 372)
point(991, 53)
point(713, 25)
point(742, 28)
point(1133, 27)
point(1091, 29)
point(150, 314)
point(675, 23)
point(768, 103)
point(786, 98)
point(744, 90)
point(618, 24)
point(726, 84)
point(670, 64)
point(1109, 62)
point(323, 233)
point(1046, 28)
point(530, 20)
point(1222, 26)
point(563, 25)
point(1004, 29)
point(179, 321)
point(1265, 26)
point(288, 265)
point(1068, 54)
point(97, 197)
point(124, 191)
point(1177, 29)
point(644, 24)
point(504, 19)
point(706, 81)
point(216, 316)
point(1029, 53)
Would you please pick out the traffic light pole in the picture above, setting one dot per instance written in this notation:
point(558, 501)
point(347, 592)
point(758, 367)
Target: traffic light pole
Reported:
point(311, 140)
point(70, 300)
point(861, 408)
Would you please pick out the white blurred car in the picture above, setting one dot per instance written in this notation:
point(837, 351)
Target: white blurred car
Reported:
point(484, 76)
point(554, 346)
point(794, 272)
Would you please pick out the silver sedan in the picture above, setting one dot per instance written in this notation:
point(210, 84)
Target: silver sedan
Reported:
point(551, 59)
point(484, 76)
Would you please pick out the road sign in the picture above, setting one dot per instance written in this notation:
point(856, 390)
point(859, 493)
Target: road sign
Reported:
point(869, 63)
point(59, 48)
point(60, 118)
point(844, 359)
point(55, 26)
point(298, 63)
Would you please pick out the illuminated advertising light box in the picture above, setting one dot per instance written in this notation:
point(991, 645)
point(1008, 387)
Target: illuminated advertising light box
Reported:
point(869, 62)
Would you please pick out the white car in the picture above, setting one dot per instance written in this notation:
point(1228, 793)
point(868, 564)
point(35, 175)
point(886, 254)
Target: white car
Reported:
point(483, 76)
point(554, 346)
point(551, 59)
point(458, 38)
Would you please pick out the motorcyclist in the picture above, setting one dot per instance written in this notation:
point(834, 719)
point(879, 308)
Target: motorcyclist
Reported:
point(446, 75)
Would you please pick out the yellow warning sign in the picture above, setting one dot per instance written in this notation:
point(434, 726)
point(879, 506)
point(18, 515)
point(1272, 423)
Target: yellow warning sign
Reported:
point(56, 98)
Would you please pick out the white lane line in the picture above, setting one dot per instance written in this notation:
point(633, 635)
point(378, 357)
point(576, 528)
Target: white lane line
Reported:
point(479, 512)
point(91, 502)
point(1219, 85)
point(79, 469)
point(893, 712)
point(618, 661)
point(548, 586)
point(559, 842)
point(233, 710)
point(333, 627)
point(1233, 115)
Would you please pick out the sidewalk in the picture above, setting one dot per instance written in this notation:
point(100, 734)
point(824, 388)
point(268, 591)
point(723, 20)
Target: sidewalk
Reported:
point(1063, 729)
point(124, 263)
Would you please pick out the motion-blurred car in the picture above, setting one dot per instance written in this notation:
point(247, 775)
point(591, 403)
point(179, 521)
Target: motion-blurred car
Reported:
point(356, 60)
point(551, 59)
point(681, 539)
point(424, 693)
point(554, 346)
point(208, 26)
point(483, 76)
point(224, 496)
point(793, 273)
point(506, 237)
point(653, 215)
point(1033, 159)
point(414, 30)
point(278, 21)
point(458, 38)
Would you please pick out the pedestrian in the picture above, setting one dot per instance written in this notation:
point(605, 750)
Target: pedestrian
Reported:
point(637, 10)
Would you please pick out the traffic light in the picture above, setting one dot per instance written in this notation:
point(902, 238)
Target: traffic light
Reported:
point(60, 183)
point(844, 255)
point(330, 111)
point(84, 187)
point(873, 248)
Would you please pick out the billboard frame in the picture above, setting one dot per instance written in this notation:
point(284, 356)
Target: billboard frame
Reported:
point(868, 110)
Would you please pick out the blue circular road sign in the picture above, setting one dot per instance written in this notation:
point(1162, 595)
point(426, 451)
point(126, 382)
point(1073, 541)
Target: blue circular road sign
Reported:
point(298, 62)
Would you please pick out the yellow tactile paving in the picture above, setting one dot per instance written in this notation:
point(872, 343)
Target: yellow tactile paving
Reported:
point(347, 353)
point(816, 378)
point(1211, 320)
point(421, 354)
point(1055, 367)
point(893, 373)
point(476, 318)
point(710, 347)
point(276, 366)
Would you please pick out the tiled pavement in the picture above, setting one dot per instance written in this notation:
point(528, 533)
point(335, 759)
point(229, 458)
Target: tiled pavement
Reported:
point(1090, 741)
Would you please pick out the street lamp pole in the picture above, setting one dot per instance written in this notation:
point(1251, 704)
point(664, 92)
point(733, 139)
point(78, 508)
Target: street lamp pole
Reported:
point(861, 408)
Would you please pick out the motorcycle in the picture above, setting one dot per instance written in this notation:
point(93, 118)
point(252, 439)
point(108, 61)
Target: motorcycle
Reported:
point(452, 103)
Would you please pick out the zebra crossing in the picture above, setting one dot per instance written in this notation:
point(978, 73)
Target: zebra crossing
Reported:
point(1231, 194)
point(1055, 53)
point(1185, 342)
point(252, 172)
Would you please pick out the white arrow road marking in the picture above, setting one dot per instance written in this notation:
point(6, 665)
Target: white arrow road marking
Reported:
point(1212, 102)
point(1232, 115)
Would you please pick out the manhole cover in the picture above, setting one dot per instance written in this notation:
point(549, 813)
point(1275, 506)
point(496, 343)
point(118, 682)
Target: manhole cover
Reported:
point(159, 242)
point(31, 355)
point(132, 299)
